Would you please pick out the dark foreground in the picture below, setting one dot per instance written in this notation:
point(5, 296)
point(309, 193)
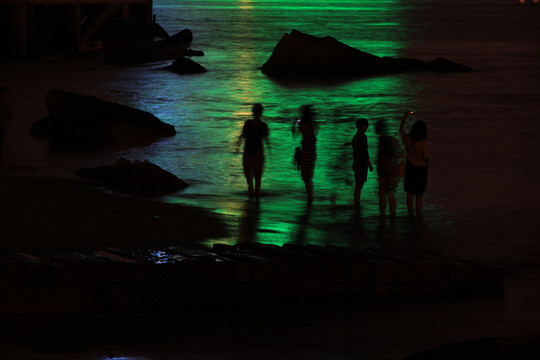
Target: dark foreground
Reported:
point(44, 220)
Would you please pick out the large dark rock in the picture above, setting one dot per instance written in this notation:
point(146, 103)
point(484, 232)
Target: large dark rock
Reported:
point(80, 121)
point(300, 54)
point(134, 178)
point(184, 66)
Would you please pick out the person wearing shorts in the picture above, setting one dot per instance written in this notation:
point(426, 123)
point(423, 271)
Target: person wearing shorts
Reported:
point(253, 134)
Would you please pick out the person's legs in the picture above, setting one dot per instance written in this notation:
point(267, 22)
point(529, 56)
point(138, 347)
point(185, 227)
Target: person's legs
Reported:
point(410, 197)
point(418, 204)
point(307, 171)
point(257, 173)
point(382, 198)
point(359, 184)
point(392, 201)
point(309, 190)
point(248, 173)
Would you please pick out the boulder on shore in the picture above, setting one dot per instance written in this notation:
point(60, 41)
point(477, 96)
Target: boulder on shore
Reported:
point(76, 121)
point(300, 54)
point(134, 178)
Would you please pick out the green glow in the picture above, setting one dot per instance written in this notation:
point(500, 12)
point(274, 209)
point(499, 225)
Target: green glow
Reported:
point(337, 104)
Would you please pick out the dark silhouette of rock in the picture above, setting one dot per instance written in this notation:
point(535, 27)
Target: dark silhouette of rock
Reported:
point(131, 49)
point(184, 37)
point(185, 66)
point(80, 121)
point(135, 178)
point(300, 54)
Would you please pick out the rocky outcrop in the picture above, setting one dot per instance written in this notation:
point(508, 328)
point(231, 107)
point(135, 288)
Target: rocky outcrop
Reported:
point(135, 178)
point(300, 54)
point(185, 66)
point(132, 49)
point(80, 121)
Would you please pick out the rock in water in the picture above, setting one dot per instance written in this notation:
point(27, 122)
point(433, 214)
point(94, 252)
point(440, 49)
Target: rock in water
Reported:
point(185, 66)
point(135, 178)
point(300, 54)
point(80, 121)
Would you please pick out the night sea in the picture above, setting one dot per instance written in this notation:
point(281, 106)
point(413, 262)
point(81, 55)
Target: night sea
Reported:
point(482, 198)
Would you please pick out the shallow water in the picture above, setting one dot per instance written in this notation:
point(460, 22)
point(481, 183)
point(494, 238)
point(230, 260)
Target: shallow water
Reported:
point(482, 195)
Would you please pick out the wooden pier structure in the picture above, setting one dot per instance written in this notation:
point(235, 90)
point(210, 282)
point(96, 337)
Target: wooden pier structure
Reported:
point(34, 26)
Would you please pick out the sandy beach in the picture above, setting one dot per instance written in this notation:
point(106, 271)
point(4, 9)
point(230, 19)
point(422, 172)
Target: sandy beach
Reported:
point(64, 214)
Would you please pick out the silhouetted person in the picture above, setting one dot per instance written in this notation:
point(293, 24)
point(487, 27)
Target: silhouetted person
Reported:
point(4, 117)
point(417, 162)
point(361, 161)
point(306, 126)
point(387, 168)
point(253, 133)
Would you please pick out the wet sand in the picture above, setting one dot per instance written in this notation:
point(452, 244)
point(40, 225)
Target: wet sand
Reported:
point(67, 214)
point(42, 214)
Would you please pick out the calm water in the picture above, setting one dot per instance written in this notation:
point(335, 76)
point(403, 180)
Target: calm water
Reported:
point(482, 197)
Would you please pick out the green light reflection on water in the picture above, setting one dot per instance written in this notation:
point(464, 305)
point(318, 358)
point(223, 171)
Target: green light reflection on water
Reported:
point(282, 215)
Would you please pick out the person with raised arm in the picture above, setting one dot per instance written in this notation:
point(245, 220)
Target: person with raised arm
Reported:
point(416, 174)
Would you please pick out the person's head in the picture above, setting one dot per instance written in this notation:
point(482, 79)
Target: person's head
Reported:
point(418, 131)
point(362, 125)
point(380, 127)
point(307, 113)
point(257, 110)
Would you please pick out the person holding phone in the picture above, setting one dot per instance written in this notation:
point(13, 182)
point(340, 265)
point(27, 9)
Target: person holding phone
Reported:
point(416, 146)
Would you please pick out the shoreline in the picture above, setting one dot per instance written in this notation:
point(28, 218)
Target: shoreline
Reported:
point(52, 214)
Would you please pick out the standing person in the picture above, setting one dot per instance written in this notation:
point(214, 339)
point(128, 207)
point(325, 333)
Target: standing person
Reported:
point(361, 161)
point(253, 133)
point(387, 168)
point(417, 162)
point(4, 117)
point(306, 126)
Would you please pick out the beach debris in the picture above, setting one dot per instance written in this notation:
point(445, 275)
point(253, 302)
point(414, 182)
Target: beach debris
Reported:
point(140, 178)
point(77, 120)
point(301, 54)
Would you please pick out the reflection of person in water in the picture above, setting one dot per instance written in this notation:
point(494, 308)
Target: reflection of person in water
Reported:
point(254, 132)
point(306, 126)
point(387, 168)
point(4, 117)
point(417, 162)
point(248, 224)
point(361, 161)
